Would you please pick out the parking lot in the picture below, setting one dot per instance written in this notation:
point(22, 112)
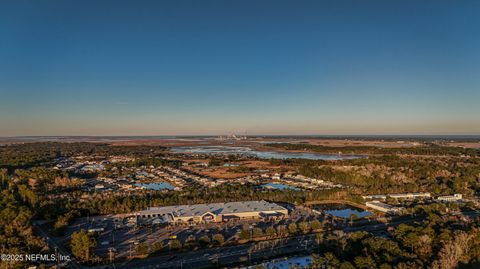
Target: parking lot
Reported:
point(121, 234)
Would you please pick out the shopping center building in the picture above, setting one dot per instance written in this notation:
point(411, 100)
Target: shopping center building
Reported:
point(216, 212)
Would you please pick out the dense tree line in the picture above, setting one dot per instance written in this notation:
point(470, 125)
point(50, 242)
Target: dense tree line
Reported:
point(36, 154)
point(430, 244)
point(430, 149)
point(396, 173)
point(17, 202)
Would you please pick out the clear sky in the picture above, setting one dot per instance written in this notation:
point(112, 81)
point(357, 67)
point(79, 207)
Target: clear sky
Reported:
point(213, 67)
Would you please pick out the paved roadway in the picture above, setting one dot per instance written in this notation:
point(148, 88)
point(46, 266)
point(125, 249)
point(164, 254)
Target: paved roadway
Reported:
point(221, 256)
point(54, 244)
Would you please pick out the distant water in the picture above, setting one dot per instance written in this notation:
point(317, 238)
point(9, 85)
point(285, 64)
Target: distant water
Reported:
point(156, 186)
point(261, 154)
point(346, 213)
point(343, 211)
point(278, 186)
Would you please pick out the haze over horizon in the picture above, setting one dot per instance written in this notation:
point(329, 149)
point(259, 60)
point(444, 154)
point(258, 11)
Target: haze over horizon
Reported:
point(104, 68)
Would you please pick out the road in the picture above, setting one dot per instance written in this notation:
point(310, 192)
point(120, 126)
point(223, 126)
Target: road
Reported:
point(54, 244)
point(226, 255)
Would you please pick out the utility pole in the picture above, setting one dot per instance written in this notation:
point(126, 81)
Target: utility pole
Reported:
point(130, 250)
point(111, 254)
point(56, 256)
point(251, 233)
point(215, 258)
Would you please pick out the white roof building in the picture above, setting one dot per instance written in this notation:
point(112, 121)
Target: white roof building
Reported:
point(399, 195)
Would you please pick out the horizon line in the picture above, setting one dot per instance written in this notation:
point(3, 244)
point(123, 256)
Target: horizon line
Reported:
point(248, 135)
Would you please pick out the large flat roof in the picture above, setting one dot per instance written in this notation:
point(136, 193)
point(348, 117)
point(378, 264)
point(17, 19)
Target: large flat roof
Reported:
point(380, 204)
point(215, 208)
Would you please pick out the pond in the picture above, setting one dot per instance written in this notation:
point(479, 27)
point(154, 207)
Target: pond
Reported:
point(156, 186)
point(261, 154)
point(342, 210)
point(278, 186)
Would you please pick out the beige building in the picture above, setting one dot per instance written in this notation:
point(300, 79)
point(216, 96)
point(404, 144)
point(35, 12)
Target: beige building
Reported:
point(216, 212)
point(450, 198)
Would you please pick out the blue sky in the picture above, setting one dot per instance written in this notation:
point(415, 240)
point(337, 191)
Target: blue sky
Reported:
point(265, 67)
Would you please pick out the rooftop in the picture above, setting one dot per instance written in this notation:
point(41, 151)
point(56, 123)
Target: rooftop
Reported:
point(215, 208)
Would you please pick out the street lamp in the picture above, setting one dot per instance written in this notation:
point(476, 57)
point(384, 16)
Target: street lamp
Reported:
point(251, 233)
point(56, 255)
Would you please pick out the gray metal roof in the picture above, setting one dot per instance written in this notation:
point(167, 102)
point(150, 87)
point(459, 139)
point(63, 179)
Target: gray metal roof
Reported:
point(215, 208)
